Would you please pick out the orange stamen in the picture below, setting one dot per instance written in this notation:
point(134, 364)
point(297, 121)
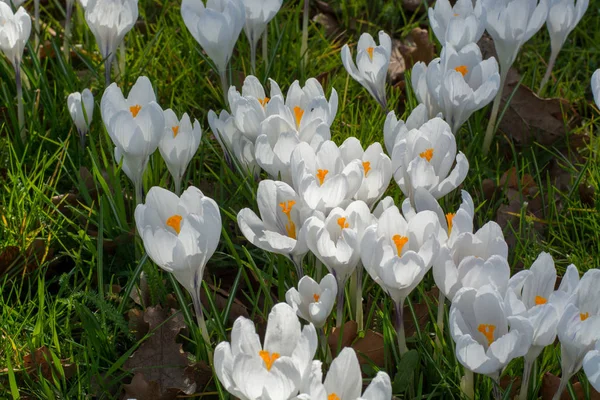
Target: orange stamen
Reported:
point(175, 130)
point(174, 221)
point(263, 102)
point(316, 297)
point(540, 300)
point(268, 358)
point(487, 331)
point(342, 223)
point(370, 52)
point(298, 113)
point(333, 396)
point(134, 110)
point(366, 166)
point(321, 173)
point(399, 241)
point(584, 316)
point(290, 227)
point(449, 219)
point(427, 154)
point(462, 69)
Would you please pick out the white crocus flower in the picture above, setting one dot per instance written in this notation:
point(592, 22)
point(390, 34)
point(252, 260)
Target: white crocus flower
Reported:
point(280, 226)
point(216, 27)
point(301, 101)
point(258, 15)
point(596, 87)
point(248, 108)
point(15, 29)
point(81, 108)
point(457, 25)
point(398, 253)
point(237, 148)
point(377, 167)
point(479, 324)
point(579, 327)
point(313, 301)
point(178, 144)
point(563, 16)
point(456, 84)
point(273, 370)
point(531, 295)
point(282, 131)
point(109, 21)
point(591, 366)
point(394, 129)
point(424, 158)
point(372, 62)
point(321, 178)
point(135, 125)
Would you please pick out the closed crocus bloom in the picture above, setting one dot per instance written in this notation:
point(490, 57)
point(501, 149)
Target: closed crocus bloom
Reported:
point(424, 158)
point(479, 325)
point(258, 15)
point(81, 108)
point(313, 301)
point(395, 129)
point(16, 28)
point(377, 168)
point(282, 131)
point(321, 178)
point(135, 125)
point(579, 326)
point(460, 83)
point(372, 62)
point(280, 226)
point(596, 87)
point(459, 25)
point(178, 144)
point(248, 108)
point(272, 370)
point(591, 366)
point(236, 147)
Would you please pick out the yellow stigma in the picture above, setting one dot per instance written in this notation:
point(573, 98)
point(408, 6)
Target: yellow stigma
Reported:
point(290, 227)
point(540, 300)
point(175, 130)
point(333, 396)
point(449, 219)
point(342, 223)
point(263, 102)
point(370, 52)
point(427, 154)
point(298, 113)
point(174, 221)
point(134, 110)
point(488, 332)
point(456, 15)
point(584, 316)
point(462, 69)
point(399, 241)
point(366, 166)
point(268, 358)
point(321, 173)
point(316, 297)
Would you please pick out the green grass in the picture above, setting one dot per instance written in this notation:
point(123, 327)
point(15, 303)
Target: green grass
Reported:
point(68, 289)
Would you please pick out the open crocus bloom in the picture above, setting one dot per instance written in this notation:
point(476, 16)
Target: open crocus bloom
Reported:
point(563, 17)
point(215, 27)
point(424, 158)
point(273, 370)
point(596, 87)
point(511, 23)
point(81, 108)
point(16, 28)
point(321, 178)
point(591, 366)
point(236, 147)
point(372, 62)
point(335, 240)
point(249, 108)
point(344, 382)
point(459, 25)
point(377, 167)
point(283, 130)
point(135, 125)
point(302, 100)
point(280, 226)
point(394, 129)
point(458, 83)
point(397, 254)
point(531, 294)
point(579, 327)
point(180, 234)
point(179, 143)
point(109, 21)
point(313, 301)
point(479, 325)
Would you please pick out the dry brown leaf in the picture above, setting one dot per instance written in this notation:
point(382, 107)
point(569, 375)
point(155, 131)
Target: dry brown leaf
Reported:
point(511, 179)
point(550, 385)
point(41, 360)
point(415, 5)
point(9, 257)
point(417, 47)
point(421, 314)
point(221, 297)
point(369, 349)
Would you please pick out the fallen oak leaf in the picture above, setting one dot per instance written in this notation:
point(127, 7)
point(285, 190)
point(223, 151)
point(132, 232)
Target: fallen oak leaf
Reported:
point(550, 385)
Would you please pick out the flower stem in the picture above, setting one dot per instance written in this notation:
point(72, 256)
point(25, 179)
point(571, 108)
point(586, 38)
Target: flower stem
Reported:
point(20, 109)
point(139, 189)
point(440, 322)
point(339, 315)
point(253, 56)
point(325, 348)
point(66, 48)
point(549, 69)
point(564, 380)
point(297, 261)
point(359, 306)
point(202, 324)
point(265, 52)
point(36, 14)
point(497, 393)
point(318, 269)
point(224, 85)
point(107, 67)
point(304, 46)
point(178, 186)
point(400, 327)
point(525, 380)
point(467, 384)
point(122, 55)
point(491, 128)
